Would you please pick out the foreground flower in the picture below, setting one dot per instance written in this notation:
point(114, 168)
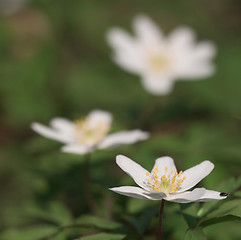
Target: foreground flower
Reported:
point(160, 60)
point(164, 182)
point(87, 134)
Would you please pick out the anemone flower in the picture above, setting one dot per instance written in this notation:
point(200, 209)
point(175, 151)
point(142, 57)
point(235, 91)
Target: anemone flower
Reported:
point(161, 60)
point(164, 182)
point(87, 134)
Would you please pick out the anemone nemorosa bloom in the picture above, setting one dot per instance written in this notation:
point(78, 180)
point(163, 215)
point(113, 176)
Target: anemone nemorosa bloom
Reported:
point(164, 182)
point(161, 60)
point(87, 134)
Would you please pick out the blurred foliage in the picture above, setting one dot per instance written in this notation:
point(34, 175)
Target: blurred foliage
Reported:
point(54, 61)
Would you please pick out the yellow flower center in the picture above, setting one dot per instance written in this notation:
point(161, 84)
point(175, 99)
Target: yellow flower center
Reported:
point(167, 183)
point(87, 132)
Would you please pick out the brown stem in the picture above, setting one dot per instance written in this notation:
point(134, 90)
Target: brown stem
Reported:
point(87, 186)
point(160, 220)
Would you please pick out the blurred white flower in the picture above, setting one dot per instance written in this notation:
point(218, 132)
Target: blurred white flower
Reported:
point(9, 7)
point(85, 135)
point(164, 182)
point(160, 60)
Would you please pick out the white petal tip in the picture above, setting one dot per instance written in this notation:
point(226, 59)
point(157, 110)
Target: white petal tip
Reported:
point(223, 195)
point(120, 158)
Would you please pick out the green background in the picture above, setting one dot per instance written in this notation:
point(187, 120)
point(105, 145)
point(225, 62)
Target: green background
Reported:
point(55, 61)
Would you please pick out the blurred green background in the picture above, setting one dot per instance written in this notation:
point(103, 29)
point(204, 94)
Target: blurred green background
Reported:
point(55, 61)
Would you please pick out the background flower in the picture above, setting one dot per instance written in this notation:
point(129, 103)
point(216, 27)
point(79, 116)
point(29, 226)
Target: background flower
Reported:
point(87, 134)
point(160, 60)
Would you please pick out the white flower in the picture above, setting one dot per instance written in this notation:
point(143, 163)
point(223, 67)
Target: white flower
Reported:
point(164, 182)
point(87, 134)
point(160, 60)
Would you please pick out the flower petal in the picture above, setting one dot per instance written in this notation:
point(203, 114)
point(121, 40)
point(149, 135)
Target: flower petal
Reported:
point(210, 195)
point(133, 169)
point(126, 51)
point(98, 116)
point(76, 149)
point(123, 137)
point(146, 30)
point(62, 125)
point(197, 195)
point(137, 192)
point(120, 40)
point(186, 197)
point(157, 85)
point(195, 174)
point(164, 162)
point(51, 133)
point(182, 37)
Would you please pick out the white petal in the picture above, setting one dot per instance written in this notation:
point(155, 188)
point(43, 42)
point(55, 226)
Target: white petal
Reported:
point(120, 40)
point(157, 85)
point(163, 162)
point(210, 195)
point(146, 30)
point(62, 125)
point(195, 71)
point(186, 197)
point(132, 63)
point(137, 192)
point(51, 133)
point(133, 169)
point(126, 51)
point(197, 195)
point(123, 137)
point(204, 50)
point(99, 116)
point(182, 37)
point(195, 174)
point(76, 149)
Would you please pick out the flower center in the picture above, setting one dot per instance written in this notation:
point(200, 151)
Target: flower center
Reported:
point(167, 183)
point(89, 132)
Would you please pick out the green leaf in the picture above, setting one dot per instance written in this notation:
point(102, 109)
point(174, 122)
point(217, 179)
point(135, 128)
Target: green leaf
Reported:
point(103, 236)
point(219, 220)
point(229, 186)
point(229, 207)
point(33, 233)
point(195, 234)
point(189, 212)
point(60, 213)
point(143, 221)
point(55, 212)
point(98, 223)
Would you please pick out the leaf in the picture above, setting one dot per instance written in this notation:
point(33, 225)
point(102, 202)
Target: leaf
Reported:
point(103, 236)
point(195, 234)
point(230, 207)
point(33, 233)
point(98, 223)
point(229, 186)
point(60, 213)
point(189, 212)
point(219, 220)
point(143, 221)
point(55, 212)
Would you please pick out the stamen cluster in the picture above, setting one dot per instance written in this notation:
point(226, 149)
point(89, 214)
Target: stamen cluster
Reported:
point(167, 183)
point(89, 133)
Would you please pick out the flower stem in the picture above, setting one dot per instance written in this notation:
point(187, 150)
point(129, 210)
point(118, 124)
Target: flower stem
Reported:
point(87, 186)
point(160, 220)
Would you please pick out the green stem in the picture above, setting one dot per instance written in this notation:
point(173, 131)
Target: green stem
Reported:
point(87, 186)
point(160, 220)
